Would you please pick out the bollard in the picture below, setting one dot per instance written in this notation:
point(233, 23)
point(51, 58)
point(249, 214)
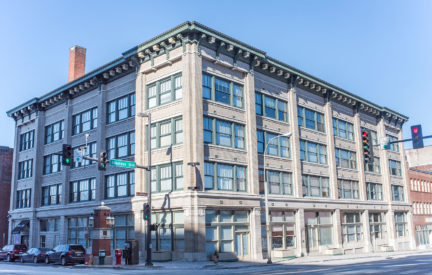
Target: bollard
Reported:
point(216, 257)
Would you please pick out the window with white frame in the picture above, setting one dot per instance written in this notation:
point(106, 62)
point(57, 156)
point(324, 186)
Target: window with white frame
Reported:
point(23, 198)
point(25, 169)
point(227, 177)
point(310, 119)
point(282, 228)
point(351, 228)
point(52, 164)
point(400, 224)
point(84, 121)
point(89, 151)
point(398, 193)
point(51, 195)
point(313, 152)
point(121, 108)
point(377, 225)
point(374, 166)
point(345, 159)
point(343, 129)
point(164, 91)
point(315, 186)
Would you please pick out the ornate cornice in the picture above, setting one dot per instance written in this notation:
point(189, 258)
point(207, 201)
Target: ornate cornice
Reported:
point(193, 32)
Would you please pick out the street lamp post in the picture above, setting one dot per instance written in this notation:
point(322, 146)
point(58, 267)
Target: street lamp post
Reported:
point(148, 235)
point(269, 242)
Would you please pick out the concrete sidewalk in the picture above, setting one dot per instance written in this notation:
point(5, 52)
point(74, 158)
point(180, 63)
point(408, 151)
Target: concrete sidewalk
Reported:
point(313, 260)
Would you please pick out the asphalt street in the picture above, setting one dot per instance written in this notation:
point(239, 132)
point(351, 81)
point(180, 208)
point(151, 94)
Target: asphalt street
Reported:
point(417, 264)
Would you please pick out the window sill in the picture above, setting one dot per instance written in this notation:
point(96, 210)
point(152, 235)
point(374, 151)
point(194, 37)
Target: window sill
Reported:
point(26, 150)
point(276, 157)
point(347, 169)
point(225, 147)
point(311, 130)
point(373, 173)
point(54, 142)
point(162, 106)
point(86, 132)
point(51, 174)
point(345, 140)
point(223, 104)
point(314, 163)
point(120, 121)
point(272, 119)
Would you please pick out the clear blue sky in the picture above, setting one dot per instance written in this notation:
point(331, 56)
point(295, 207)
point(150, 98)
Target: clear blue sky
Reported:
point(380, 50)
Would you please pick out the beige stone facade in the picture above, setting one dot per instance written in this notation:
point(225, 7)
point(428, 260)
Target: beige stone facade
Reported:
point(218, 206)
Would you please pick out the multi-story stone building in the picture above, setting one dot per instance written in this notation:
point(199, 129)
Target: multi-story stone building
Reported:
point(419, 162)
point(6, 155)
point(215, 101)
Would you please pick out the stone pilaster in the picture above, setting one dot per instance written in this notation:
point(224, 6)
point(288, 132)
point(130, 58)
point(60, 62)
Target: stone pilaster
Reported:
point(337, 228)
point(384, 165)
point(300, 233)
point(328, 120)
point(255, 234)
point(360, 159)
point(366, 231)
point(295, 143)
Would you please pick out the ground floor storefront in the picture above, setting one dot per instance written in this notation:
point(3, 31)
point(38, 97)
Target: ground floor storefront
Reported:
point(197, 228)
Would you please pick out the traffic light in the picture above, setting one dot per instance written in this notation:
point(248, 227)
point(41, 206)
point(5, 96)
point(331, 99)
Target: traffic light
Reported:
point(147, 212)
point(102, 161)
point(417, 136)
point(367, 146)
point(67, 155)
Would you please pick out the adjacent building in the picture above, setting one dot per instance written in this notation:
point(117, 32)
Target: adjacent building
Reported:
point(216, 105)
point(419, 162)
point(6, 155)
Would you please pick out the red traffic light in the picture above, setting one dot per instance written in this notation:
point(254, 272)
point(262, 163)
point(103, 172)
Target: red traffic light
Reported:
point(365, 134)
point(415, 130)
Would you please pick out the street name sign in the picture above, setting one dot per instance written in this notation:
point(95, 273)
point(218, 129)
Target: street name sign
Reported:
point(122, 163)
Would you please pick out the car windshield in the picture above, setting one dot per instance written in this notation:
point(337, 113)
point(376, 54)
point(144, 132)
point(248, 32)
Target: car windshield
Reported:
point(43, 249)
point(20, 247)
point(77, 248)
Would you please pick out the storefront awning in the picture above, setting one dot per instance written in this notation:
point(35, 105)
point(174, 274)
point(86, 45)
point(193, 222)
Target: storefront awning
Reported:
point(23, 226)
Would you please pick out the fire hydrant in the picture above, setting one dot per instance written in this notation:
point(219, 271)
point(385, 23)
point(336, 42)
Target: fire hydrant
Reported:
point(216, 257)
point(118, 255)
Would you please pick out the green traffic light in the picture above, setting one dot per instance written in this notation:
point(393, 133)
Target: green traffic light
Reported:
point(67, 160)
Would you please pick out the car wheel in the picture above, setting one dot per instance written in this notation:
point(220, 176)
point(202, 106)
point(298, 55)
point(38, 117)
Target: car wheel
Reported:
point(35, 260)
point(8, 258)
point(47, 260)
point(63, 261)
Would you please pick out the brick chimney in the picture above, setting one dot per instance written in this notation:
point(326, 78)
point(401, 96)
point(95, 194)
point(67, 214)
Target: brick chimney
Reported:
point(77, 56)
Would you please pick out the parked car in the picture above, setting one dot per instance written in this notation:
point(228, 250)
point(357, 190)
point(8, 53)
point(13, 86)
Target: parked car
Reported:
point(12, 252)
point(35, 255)
point(65, 254)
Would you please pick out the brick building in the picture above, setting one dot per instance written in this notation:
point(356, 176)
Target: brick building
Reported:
point(6, 156)
point(216, 101)
point(419, 163)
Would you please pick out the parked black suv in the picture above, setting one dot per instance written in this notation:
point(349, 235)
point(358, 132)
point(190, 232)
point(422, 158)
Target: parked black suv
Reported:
point(65, 254)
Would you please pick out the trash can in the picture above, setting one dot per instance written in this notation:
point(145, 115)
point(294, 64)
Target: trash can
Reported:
point(102, 257)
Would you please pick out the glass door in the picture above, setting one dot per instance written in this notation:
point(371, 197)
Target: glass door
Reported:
point(312, 238)
point(241, 242)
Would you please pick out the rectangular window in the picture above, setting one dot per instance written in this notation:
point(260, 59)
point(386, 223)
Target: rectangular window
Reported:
point(23, 199)
point(314, 186)
point(77, 226)
point(164, 91)
point(272, 107)
point(310, 119)
point(348, 189)
point(121, 146)
point(89, 151)
point(226, 177)
point(276, 145)
point(343, 129)
point(84, 121)
point(345, 159)
point(54, 132)
point(223, 91)
point(393, 146)
point(400, 224)
point(398, 193)
point(222, 227)
point(167, 177)
point(278, 182)
point(169, 235)
point(374, 191)
point(82, 190)
point(377, 225)
point(282, 228)
point(351, 228)
point(51, 195)
point(224, 133)
point(52, 164)
point(121, 108)
point(166, 133)
point(395, 168)
point(120, 185)
point(373, 167)
point(313, 152)
point(25, 169)
point(26, 140)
